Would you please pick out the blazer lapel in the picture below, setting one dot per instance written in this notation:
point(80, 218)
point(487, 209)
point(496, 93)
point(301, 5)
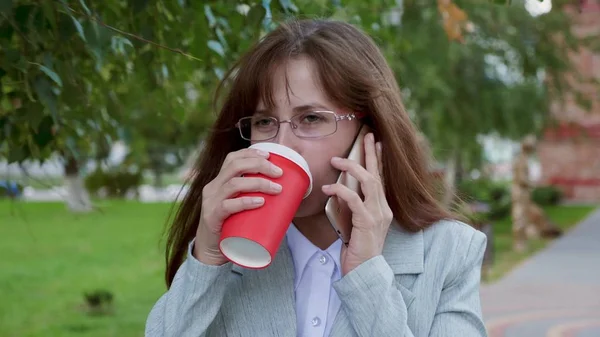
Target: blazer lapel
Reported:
point(404, 252)
point(265, 304)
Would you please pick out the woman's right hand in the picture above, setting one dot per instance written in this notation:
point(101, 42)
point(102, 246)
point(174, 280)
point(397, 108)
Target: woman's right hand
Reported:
point(220, 198)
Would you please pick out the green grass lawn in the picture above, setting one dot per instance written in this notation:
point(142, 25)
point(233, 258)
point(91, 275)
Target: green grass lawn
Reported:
point(505, 260)
point(50, 257)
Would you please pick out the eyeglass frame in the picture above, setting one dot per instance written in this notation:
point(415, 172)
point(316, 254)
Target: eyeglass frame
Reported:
point(349, 117)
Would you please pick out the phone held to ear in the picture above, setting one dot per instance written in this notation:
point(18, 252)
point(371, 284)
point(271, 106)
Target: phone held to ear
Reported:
point(336, 209)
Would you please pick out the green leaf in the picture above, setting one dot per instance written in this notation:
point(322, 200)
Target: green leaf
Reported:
point(288, 5)
point(85, 7)
point(139, 5)
point(6, 31)
point(12, 56)
point(48, 9)
point(216, 47)
point(22, 16)
point(66, 28)
point(71, 144)
point(96, 38)
point(38, 22)
point(43, 89)
point(118, 44)
point(48, 60)
point(79, 28)
point(125, 41)
point(221, 37)
point(54, 76)
point(209, 15)
point(44, 134)
point(4, 128)
point(124, 134)
point(255, 15)
point(31, 114)
point(268, 15)
point(14, 59)
point(5, 6)
point(17, 154)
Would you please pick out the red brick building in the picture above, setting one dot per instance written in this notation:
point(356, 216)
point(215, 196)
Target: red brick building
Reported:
point(570, 153)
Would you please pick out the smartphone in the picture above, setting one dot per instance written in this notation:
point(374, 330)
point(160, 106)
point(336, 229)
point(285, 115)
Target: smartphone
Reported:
point(337, 211)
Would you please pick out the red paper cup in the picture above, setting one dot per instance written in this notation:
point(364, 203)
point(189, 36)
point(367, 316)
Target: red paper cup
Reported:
point(251, 238)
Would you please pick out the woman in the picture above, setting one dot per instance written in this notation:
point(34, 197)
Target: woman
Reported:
point(408, 270)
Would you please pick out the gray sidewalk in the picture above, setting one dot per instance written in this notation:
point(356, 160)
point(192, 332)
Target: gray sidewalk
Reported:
point(556, 293)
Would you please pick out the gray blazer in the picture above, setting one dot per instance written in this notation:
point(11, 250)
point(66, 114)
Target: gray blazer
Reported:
point(424, 284)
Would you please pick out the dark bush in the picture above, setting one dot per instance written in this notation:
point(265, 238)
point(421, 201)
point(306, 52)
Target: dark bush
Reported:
point(99, 302)
point(95, 181)
point(483, 190)
point(498, 193)
point(473, 189)
point(500, 209)
point(495, 195)
point(546, 195)
point(116, 183)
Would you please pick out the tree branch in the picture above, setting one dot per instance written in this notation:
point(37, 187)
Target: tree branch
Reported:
point(139, 38)
point(14, 25)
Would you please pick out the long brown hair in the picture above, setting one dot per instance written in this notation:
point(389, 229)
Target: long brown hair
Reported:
point(354, 74)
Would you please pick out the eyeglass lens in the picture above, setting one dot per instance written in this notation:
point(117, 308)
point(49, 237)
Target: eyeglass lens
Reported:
point(310, 124)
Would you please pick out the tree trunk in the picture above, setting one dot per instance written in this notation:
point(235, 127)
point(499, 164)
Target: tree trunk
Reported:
point(158, 178)
point(450, 180)
point(77, 198)
point(459, 168)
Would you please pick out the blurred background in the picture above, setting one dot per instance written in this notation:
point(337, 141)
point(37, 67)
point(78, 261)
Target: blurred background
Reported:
point(104, 106)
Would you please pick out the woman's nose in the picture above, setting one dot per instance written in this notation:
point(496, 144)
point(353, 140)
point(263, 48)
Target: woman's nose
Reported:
point(286, 136)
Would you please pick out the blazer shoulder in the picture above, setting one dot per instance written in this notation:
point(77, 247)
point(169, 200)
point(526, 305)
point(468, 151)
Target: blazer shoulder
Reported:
point(452, 232)
point(454, 240)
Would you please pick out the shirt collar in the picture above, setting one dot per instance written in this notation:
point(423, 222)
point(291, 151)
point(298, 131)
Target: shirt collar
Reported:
point(302, 250)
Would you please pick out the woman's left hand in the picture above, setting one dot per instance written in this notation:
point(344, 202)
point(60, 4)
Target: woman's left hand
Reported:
point(372, 217)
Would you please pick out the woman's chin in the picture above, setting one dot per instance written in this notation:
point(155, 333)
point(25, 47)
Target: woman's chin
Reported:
point(310, 207)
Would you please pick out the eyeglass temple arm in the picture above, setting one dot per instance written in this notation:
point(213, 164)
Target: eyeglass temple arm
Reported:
point(350, 116)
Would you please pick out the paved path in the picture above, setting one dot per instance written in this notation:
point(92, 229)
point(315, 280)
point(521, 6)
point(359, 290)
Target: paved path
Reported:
point(146, 193)
point(556, 293)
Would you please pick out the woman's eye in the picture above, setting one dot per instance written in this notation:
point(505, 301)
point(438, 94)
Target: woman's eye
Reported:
point(263, 122)
point(312, 118)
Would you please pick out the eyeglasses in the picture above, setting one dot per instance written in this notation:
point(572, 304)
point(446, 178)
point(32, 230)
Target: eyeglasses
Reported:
point(310, 124)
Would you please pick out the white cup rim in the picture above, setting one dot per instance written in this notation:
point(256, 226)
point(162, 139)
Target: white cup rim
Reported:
point(290, 154)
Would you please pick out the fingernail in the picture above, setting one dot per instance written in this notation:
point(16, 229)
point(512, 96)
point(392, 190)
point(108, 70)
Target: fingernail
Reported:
point(262, 153)
point(258, 200)
point(275, 187)
point(276, 170)
point(378, 145)
point(336, 158)
point(326, 187)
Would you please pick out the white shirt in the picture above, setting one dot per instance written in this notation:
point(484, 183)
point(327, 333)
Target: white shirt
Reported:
point(317, 302)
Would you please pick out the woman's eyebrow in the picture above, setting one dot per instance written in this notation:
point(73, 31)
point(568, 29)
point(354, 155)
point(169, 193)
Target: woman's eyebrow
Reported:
point(310, 106)
point(301, 108)
point(264, 112)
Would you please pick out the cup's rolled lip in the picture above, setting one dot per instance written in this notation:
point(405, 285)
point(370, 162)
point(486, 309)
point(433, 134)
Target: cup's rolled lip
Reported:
point(290, 154)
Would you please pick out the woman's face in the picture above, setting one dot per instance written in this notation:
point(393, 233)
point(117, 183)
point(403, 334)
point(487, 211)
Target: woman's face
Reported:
point(304, 91)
